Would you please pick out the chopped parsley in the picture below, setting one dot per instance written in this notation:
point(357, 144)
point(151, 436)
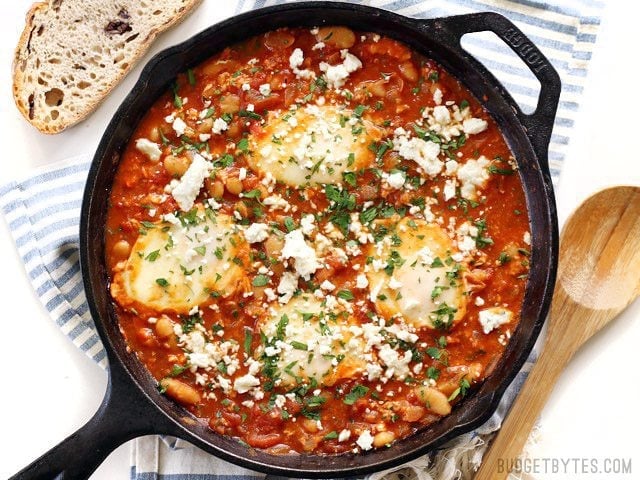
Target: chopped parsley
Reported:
point(255, 193)
point(433, 373)
point(289, 224)
point(177, 100)
point(345, 295)
point(249, 114)
point(243, 144)
point(443, 318)
point(356, 393)
point(359, 110)
point(500, 171)
point(177, 370)
point(248, 339)
point(191, 77)
point(463, 388)
point(299, 345)
point(260, 280)
point(349, 178)
point(152, 256)
point(503, 258)
point(394, 260)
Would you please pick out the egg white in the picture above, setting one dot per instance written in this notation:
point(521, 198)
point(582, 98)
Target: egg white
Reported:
point(423, 294)
point(332, 352)
point(175, 266)
point(312, 145)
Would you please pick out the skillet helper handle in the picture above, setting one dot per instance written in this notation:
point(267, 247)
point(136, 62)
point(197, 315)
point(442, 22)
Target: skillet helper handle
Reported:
point(539, 124)
point(123, 415)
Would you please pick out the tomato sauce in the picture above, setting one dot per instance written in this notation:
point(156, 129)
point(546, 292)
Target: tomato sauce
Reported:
point(258, 81)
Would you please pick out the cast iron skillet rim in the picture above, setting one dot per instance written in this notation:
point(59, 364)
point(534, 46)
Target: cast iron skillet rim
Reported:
point(140, 86)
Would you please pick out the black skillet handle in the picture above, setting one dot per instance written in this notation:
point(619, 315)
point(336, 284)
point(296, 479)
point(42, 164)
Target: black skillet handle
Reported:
point(539, 124)
point(124, 414)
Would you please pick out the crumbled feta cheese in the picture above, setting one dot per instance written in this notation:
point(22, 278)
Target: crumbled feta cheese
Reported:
point(472, 174)
point(242, 174)
point(437, 96)
point(396, 180)
point(472, 126)
point(351, 62)
point(256, 232)
point(479, 301)
point(424, 153)
point(307, 224)
point(397, 364)
point(219, 126)
point(527, 238)
point(295, 61)
point(338, 74)
point(344, 435)
point(327, 285)
point(331, 302)
point(265, 89)
point(149, 148)
point(402, 332)
point(304, 256)
point(225, 384)
point(246, 87)
point(425, 255)
point(374, 371)
point(245, 383)
point(361, 281)
point(365, 440)
point(213, 204)
point(467, 244)
point(187, 188)
point(449, 190)
point(318, 46)
point(171, 218)
point(394, 284)
point(276, 202)
point(492, 318)
point(441, 115)
point(451, 166)
point(179, 126)
point(287, 287)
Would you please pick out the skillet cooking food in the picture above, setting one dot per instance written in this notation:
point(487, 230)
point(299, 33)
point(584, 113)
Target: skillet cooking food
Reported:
point(317, 241)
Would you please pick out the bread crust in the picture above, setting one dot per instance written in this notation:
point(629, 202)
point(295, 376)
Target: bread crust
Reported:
point(60, 78)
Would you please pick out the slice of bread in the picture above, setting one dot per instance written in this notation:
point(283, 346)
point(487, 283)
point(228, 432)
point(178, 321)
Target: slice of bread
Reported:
point(73, 52)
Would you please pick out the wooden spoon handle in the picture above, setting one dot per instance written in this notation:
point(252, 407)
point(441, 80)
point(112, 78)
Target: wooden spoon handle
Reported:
point(510, 439)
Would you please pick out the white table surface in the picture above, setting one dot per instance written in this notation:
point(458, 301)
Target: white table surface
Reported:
point(49, 388)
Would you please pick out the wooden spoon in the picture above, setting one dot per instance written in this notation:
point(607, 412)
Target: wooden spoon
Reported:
point(598, 277)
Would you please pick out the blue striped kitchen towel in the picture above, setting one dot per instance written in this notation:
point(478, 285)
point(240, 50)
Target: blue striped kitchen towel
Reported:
point(42, 212)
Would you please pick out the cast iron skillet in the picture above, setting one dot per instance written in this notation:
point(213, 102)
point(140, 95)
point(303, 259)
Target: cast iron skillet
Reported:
point(132, 405)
